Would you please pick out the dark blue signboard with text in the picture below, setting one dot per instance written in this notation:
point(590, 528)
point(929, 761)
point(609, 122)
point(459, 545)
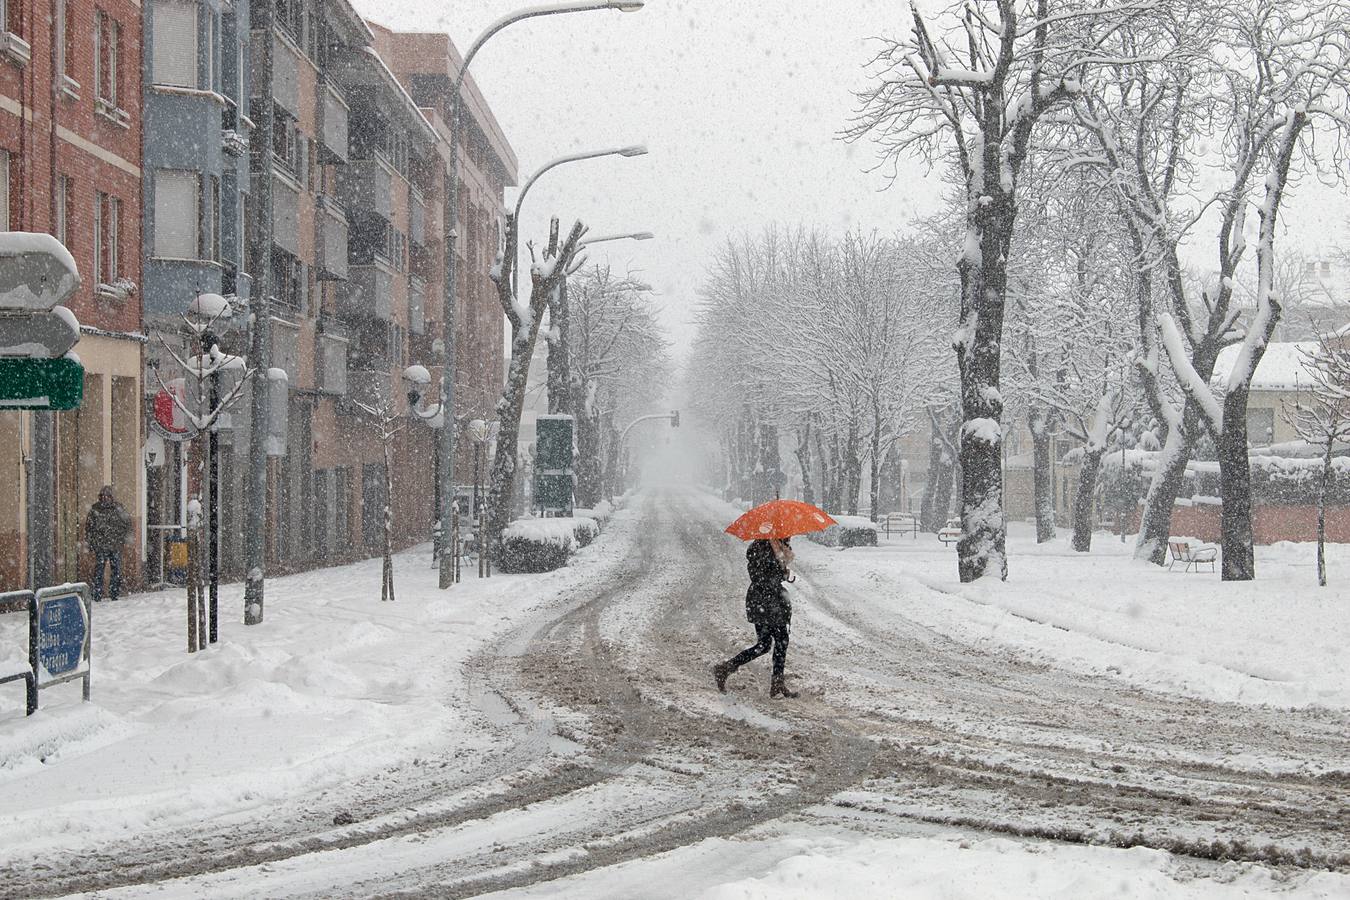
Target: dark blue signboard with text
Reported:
point(63, 629)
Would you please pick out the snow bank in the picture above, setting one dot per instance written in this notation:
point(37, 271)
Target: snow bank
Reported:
point(1279, 640)
point(958, 867)
point(332, 690)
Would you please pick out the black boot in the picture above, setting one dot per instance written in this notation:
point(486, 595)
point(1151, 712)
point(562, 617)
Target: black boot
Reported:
point(720, 673)
point(778, 688)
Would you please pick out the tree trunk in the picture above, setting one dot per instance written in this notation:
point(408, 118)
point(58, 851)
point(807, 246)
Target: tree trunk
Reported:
point(803, 454)
point(937, 492)
point(509, 409)
point(1082, 504)
point(852, 470)
point(1235, 490)
point(1155, 526)
point(829, 484)
point(387, 574)
point(590, 479)
point(982, 549)
point(874, 473)
point(1043, 480)
point(1322, 516)
point(560, 388)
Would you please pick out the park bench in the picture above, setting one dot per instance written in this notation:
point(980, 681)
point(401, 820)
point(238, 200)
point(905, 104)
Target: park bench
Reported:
point(899, 523)
point(951, 532)
point(1193, 555)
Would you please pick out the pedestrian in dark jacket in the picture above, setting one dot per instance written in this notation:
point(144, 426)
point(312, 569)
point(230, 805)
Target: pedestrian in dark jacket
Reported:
point(767, 608)
point(106, 529)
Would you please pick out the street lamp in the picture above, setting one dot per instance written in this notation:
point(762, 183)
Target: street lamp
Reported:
point(447, 442)
point(627, 152)
point(634, 236)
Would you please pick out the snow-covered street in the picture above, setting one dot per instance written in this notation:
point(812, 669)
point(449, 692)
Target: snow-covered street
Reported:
point(560, 735)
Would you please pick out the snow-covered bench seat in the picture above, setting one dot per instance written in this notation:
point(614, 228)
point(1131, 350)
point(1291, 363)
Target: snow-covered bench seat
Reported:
point(1192, 553)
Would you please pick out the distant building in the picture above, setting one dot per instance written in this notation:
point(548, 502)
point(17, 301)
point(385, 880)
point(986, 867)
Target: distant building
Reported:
point(70, 165)
point(196, 140)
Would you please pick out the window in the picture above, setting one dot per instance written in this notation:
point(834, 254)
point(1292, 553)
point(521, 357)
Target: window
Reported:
point(286, 278)
point(65, 53)
point(107, 57)
point(62, 204)
point(107, 228)
point(285, 146)
point(114, 240)
point(209, 83)
point(177, 214)
point(1260, 427)
point(1326, 268)
point(174, 33)
point(211, 235)
point(4, 180)
point(107, 238)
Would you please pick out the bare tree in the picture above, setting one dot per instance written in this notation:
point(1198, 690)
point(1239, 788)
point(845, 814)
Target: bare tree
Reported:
point(618, 363)
point(547, 274)
point(383, 409)
point(203, 368)
point(1323, 420)
point(971, 95)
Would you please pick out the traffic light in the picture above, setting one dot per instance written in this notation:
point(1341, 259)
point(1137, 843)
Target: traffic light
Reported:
point(674, 418)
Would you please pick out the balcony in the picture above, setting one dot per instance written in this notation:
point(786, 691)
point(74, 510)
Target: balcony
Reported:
point(369, 292)
point(417, 219)
point(233, 132)
point(332, 241)
point(286, 214)
point(417, 303)
point(333, 115)
point(367, 186)
point(332, 362)
point(285, 71)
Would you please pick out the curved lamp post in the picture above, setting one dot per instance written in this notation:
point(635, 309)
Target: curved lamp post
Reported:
point(634, 150)
point(633, 236)
point(447, 441)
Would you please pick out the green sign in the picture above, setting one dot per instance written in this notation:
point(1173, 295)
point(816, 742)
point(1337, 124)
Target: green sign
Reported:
point(53, 384)
point(553, 443)
point(553, 492)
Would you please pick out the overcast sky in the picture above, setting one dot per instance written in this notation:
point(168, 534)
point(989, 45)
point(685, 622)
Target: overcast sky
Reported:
point(740, 103)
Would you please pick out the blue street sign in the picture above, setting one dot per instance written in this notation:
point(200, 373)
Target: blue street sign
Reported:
point(62, 629)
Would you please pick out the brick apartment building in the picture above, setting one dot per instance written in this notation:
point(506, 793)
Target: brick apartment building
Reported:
point(70, 165)
point(356, 272)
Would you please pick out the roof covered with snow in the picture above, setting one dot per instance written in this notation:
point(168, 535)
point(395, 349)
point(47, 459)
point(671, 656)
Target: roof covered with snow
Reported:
point(1280, 369)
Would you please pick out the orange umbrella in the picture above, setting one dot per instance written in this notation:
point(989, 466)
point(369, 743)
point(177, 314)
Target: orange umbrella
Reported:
point(779, 519)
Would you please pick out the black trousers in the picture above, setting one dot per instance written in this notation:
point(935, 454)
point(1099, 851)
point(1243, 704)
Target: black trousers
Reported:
point(772, 633)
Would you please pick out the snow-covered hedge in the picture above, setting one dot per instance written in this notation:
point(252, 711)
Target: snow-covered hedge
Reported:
point(542, 545)
point(1282, 480)
point(851, 531)
point(601, 513)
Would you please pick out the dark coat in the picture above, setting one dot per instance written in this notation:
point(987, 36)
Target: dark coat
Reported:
point(766, 600)
point(107, 526)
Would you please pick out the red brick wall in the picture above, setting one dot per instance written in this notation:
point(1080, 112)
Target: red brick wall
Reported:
point(36, 143)
point(1270, 524)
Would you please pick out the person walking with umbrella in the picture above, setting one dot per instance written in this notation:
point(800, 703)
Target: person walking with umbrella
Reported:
point(768, 561)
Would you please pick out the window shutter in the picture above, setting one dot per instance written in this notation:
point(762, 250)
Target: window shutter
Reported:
point(175, 35)
point(176, 215)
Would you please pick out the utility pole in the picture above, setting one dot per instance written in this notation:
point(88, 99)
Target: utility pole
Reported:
point(41, 500)
point(212, 548)
point(255, 513)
